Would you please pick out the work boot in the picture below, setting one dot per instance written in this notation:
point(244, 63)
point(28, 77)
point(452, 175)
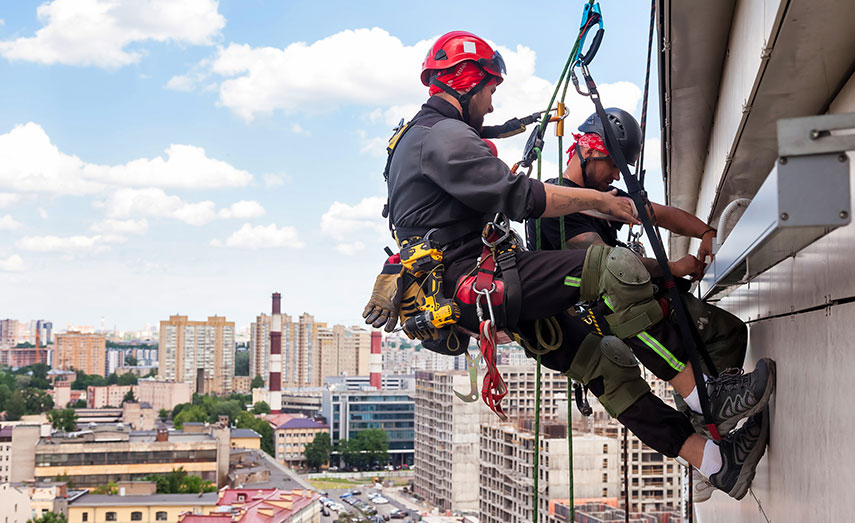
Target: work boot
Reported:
point(735, 395)
point(702, 489)
point(740, 453)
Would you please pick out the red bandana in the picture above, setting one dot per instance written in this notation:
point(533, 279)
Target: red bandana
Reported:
point(462, 77)
point(589, 140)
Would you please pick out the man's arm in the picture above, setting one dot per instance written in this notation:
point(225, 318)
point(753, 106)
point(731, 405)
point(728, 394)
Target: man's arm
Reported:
point(680, 222)
point(685, 266)
point(565, 200)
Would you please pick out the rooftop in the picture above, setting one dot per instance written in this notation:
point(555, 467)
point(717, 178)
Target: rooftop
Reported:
point(104, 500)
point(302, 423)
point(244, 433)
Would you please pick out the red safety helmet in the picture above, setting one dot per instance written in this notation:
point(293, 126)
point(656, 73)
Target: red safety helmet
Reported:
point(459, 46)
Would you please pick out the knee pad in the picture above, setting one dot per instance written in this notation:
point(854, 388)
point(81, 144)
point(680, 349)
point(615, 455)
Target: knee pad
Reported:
point(618, 275)
point(610, 359)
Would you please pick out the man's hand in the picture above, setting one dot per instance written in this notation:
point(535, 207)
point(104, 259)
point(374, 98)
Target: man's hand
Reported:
point(619, 207)
point(706, 246)
point(688, 265)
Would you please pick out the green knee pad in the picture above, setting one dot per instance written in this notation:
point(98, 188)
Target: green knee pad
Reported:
point(617, 273)
point(612, 360)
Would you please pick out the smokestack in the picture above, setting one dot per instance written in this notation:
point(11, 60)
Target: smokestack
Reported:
point(275, 377)
point(376, 361)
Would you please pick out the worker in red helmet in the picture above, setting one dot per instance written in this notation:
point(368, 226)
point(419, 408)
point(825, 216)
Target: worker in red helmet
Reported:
point(445, 186)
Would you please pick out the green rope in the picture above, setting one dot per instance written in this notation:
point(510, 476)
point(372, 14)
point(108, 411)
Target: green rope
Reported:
point(565, 80)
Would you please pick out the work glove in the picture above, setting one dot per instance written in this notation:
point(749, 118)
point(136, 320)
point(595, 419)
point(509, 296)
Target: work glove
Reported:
point(412, 298)
point(382, 307)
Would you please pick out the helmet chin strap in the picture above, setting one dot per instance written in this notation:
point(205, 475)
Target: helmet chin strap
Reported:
point(465, 98)
point(583, 163)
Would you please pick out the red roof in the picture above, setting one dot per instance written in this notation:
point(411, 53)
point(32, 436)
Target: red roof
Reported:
point(255, 505)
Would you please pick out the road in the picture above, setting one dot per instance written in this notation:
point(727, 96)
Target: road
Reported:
point(382, 510)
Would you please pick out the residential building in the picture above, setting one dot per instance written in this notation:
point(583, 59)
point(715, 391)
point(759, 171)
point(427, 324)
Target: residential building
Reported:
point(345, 351)
point(15, 507)
point(163, 394)
point(103, 454)
point(107, 396)
point(63, 395)
point(520, 400)
point(259, 347)
point(5, 453)
point(80, 351)
point(8, 333)
point(242, 384)
point(95, 508)
point(255, 505)
point(245, 439)
point(350, 412)
point(301, 351)
point(51, 496)
point(446, 446)
point(22, 357)
point(198, 352)
point(291, 438)
point(733, 74)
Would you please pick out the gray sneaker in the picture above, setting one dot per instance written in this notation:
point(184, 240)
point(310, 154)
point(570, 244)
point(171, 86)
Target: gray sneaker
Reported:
point(740, 453)
point(702, 489)
point(735, 395)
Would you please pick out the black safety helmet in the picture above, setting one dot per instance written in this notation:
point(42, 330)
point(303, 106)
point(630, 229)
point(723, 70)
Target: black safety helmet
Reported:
point(625, 128)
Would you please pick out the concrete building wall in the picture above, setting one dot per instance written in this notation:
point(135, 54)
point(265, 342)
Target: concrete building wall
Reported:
point(779, 60)
point(15, 507)
point(188, 347)
point(163, 394)
point(24, 441)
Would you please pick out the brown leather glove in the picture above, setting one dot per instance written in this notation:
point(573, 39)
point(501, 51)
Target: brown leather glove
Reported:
point(382, 308)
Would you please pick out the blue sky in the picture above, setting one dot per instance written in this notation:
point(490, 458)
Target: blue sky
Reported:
point(164, 156)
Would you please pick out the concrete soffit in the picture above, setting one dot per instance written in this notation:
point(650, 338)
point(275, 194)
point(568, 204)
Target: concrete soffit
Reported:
point(729, 72)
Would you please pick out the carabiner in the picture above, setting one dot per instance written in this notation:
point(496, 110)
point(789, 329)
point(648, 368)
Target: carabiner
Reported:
point(472, 366)
point(591, 16)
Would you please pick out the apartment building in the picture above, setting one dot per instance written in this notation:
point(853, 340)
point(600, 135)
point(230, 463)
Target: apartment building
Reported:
point(81, 351)
point(446, 446)
point(23, 356)
point(198, 352)
point(102, 508)
point(344, 351)
point(259, 347)
point(291, 438)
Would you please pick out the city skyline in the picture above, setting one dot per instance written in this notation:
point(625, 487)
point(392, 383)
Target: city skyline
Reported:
point(149, 171)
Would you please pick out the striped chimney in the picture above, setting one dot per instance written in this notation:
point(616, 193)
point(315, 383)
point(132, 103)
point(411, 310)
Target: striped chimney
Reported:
point(275, 378)
point(376, 361)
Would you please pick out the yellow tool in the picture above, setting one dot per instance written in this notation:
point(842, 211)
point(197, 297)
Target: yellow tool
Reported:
point(423, 259)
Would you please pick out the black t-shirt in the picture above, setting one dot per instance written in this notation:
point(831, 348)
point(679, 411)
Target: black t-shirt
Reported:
point(574, 225)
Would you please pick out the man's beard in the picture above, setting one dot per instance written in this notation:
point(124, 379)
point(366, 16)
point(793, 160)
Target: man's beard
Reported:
point(476, 123)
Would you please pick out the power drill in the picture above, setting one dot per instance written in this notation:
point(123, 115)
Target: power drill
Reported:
point(423, 259)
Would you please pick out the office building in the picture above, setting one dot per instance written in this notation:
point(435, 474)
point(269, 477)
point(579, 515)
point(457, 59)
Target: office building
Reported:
point(81, 351)
point(350, 412)
point(198, 352)
point(115, 453)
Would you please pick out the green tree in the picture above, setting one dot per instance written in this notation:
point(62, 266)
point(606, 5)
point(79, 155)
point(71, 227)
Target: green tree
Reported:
point(49, 517)
point(36, 401)
point(38, 375)
point(15, 407)
point(127, 379)
point(245, 420)
point(64, 420)
point(130, 361)
point(349, 452)
point(84, 380)
point(179, 482)
point(25, 345)
point(112, 379)
point(5, 394)
point(163, 414)
point(193, 413)
point(318, 451)
point(79, 404)
point(242, 363)
point(177, 409)
point(129, 397)
point(261, 407)
point(257, 382)
point(65, 478)
point(374, 444)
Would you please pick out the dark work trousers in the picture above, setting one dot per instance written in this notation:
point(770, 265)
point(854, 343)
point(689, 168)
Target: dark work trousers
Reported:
point(544, 294)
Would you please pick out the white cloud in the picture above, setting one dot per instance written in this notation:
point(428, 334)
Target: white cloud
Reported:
point(132, 203)
point(273, 180)
point(262, 237)
point(8, 199)
point(350, 248)
point(43, 214)
point(344, 222)
point(260, 80)
point(298, 129)
point(31, 163)
point(13, 263)
point(98, 32)
point(243, 210)
point(68, 244)
point(121, 226)
point(7, 223)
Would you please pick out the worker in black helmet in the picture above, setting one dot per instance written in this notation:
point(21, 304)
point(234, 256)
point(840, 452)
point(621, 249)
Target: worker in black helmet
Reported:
point(590, 166)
